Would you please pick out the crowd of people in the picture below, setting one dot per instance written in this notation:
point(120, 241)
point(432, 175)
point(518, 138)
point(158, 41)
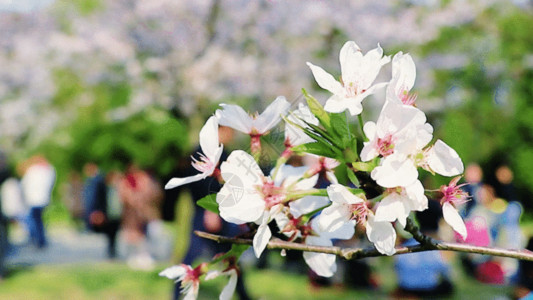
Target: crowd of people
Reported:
point(133, 204)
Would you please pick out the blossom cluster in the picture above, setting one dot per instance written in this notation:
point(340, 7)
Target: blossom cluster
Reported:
point(392, 151)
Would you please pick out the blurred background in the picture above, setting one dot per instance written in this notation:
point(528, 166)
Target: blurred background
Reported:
point(110, 96)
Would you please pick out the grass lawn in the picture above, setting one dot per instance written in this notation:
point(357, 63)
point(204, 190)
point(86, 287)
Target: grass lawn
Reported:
point(117, 281)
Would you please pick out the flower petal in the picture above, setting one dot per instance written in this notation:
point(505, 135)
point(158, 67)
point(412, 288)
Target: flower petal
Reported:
point(307, 204)
point(337, 104)
point(235, 117)
point(175, 182)
point(442, 159)
point(272, 115)
point(174, 272)
point(322, 264)
point(393, 207)
point(229, 289)
point(325, 80)
point(338, 193)
point(209, 138)
point(452, 217)
point(382, 234)
point(262, 236)
point(333, 217)
point(395, 171)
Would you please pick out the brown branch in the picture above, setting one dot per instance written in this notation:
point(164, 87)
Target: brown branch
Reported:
point(356, 253)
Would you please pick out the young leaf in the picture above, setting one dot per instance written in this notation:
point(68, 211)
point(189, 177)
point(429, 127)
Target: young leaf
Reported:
point(318, 149)
point(316, 108)
point(209, 202)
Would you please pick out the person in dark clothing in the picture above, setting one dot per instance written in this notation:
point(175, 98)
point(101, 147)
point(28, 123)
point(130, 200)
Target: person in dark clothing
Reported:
point(4, 242)
point(204, 220)
point(96, 207)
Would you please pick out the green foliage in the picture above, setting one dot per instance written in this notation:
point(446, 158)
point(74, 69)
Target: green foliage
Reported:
point(495, 112)
point(209, 202)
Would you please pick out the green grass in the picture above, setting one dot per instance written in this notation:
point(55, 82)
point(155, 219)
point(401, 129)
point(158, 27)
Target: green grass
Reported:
point(116, 281)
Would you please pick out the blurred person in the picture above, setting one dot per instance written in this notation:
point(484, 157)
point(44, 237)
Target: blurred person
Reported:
point(13, 203)
point(510, 236)
point(96, 203)
point(424, 274)
point(474, 177)
point(141, 197)
point(204, 220)
point(504, 186)
point(37, 185)
point(73, 198)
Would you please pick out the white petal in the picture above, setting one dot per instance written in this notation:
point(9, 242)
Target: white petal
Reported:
point(338, 193)
point(337, 104)
point(243, 166)
point(444, 160)
point(173, 272)
point(350, 58)
point(395, 172)
point(354, 105)
point(235, 117)
point(307, 204)
point(393, 207)
point(272, 115)
point(382, 235)
point(452, 217)
point(322, 264)
point(209, 138)
point(175, 182)
point(325, 80)
point(403, 74)
point(229, 289)
point(238, 204)
point(417, 199)
point(333, 217)
point(344, 232)
point(262, 236)
point(192, 293)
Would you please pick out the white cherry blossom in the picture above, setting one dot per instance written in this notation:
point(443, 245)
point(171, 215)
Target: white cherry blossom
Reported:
point(189, 277)
point(235, 117)
point(229, 289)
point(249, 196)
point(358, 74)
point(403, 79)
point(294, 136)
point(346, 207)
point(211, 152)
point(400, 201)
point(452, 196)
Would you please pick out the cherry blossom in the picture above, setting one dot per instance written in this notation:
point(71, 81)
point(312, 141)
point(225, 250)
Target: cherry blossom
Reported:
point(452, 196)
point(403, 79)
point(358, 73)
point(249, 196)
point(347, 206)
point(293, 226)
point(294, 136)
point(229, 289)
point(400, 201)
point(259, 124)
point(211, 152)
point(189, 277)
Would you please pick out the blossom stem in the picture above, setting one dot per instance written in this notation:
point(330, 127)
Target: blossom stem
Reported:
point(300, 194)
point(356, 253)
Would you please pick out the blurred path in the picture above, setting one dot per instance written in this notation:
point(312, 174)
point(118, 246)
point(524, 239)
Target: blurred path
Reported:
point(65, 246)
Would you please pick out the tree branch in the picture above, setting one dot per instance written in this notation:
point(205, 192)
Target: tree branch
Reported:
point(356, 253)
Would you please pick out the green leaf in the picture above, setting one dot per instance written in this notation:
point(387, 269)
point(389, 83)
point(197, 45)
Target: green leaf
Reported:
point(317, 109)
point(209, 202)
point(364, 166)
point(352, 177)
point(339, 127)
point(316, 148)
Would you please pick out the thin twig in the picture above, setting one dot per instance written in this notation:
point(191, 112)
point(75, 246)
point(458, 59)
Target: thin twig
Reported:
point(356, 253)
